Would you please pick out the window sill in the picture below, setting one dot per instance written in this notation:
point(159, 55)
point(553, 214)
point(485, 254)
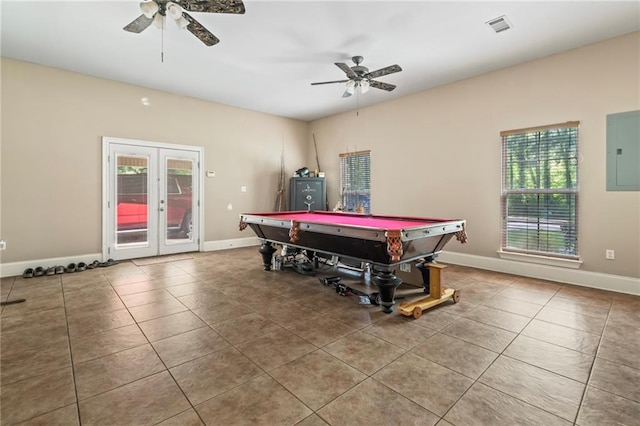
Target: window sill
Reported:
point(542, 260)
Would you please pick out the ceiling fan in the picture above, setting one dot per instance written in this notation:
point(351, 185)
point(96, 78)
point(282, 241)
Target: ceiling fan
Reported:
point(155, 11)
point(359, 76)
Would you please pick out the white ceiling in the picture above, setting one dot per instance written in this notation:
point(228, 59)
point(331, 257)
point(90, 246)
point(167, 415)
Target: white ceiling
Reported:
point(268, 57)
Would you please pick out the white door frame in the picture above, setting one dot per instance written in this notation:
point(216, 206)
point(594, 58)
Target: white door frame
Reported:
point(106, 144)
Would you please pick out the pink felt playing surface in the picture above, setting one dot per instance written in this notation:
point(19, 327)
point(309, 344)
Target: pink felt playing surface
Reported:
point(387, 223)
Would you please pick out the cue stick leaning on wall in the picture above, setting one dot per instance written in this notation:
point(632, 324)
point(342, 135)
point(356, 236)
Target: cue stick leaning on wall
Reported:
point(326, 195)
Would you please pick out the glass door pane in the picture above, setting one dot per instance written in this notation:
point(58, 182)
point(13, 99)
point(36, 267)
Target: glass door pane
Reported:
point(132, 204)
point(178, 201)
point(132, 207)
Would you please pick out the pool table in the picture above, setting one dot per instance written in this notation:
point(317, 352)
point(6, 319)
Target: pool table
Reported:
point(384, 242)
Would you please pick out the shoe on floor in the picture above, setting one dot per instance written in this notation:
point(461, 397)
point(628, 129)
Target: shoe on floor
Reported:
point(51, 270)
point(109, 262)
point(81, 267)
point(71, 267)
point(28, 273)
point(39, 271)
point(59, 269)
point(93, 264)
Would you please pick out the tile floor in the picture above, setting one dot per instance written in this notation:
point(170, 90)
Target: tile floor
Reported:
point(216, 340)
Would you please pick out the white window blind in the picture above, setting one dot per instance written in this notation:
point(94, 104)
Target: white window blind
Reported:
point(355, 181)
point(540, 190)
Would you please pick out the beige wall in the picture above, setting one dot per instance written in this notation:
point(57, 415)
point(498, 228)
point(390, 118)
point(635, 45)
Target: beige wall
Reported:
point(438, 153)
point(51, 170)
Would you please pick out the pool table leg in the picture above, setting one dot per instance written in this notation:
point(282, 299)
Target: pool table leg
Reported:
point(266, 250)
point(426, 278)
point(387, 283)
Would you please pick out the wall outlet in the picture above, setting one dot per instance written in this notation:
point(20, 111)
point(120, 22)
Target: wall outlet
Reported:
point(3, 245)
point(243, 189)
point(610, 254)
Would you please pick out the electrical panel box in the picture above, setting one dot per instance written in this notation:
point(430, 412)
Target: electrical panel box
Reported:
point(623, 151)
point(307, 193)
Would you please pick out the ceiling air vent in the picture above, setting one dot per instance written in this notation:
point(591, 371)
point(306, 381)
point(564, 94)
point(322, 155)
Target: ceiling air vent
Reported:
point(499, 24)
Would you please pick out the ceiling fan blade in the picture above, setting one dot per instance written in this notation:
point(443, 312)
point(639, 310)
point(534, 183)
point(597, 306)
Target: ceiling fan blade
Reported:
point(213, 6)
point(203, 34)
point(380, 85)
point(346, 69)
point(329, 82)
point(139, 24)
point(384, 71)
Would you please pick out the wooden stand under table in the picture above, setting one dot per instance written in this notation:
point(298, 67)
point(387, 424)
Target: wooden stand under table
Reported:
point(436, 295)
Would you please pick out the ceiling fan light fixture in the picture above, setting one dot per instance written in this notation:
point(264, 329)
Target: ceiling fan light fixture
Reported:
point(364, 85)
point(174, 10)
point(158, 21)
point(351, 87)
point(182, 23)
point(149, 8)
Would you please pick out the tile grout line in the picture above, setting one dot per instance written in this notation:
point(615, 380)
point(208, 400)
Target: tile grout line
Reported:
point(595, 356)
point(73, 370)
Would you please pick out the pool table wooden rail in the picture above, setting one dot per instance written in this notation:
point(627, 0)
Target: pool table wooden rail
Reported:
point(381, 247)
point(360, 231)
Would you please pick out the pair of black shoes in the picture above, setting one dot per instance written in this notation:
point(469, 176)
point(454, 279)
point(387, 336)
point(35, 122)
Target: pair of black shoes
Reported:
point(72, 267)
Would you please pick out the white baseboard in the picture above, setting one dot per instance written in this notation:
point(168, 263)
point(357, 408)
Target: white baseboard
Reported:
point(17, 268)
point(230, 244)
point(617, 283)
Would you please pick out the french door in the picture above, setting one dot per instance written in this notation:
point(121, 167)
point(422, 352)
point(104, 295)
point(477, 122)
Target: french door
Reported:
point(152, 194)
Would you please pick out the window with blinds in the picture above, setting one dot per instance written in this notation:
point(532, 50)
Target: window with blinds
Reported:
point(355, 181)
point(540, 190)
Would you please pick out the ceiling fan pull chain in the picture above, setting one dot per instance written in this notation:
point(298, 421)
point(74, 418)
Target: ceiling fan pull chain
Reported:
point(162, 43)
